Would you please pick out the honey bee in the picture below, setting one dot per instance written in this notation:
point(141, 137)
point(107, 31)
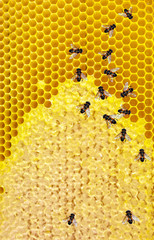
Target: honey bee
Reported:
point(102, 93)
point(123, 111)
point(130, 218)
point(142, 156)
point(127, 91)
point(123, 135)
point(107, 55)
point(110, 119)
point(127, 13)
point(111, 73)
point(74, 51)
point(84, 108)
point(71, 220)
point(79, 75)
point(109, 29)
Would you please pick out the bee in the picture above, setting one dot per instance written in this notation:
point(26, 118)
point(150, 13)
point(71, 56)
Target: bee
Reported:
point(142, 156)
point(130, 218)
point(110, 119)
point(102, 93)
point(107, 55)
point(109, 29)
point(123, 135)
point(84, 108)
point(74, 51)
point(111, 73)
point(127, 91)
point(127, 13)
point(79, 75)
point(123, 111)
point(71, 220)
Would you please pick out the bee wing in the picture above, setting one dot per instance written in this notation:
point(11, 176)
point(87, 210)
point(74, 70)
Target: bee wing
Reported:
point(113, 116)
point(102, 53)
point(126, 86)
point(130, 10)
point(124, 220)
point(114, 69)
point(97, 95)
point(109, 59)
point(80, 106)
point(147, 157)
point(65, 220)
point(73, 46)
point(110, 77)
point(107, 94)
point(137, 157)
point(122, 107)
point(128, 138)
point(108, 124)
point(105, 26)
point(73, 56)
point(132, 94)
point(135, 218)
point(120, 116)
point(122, 14)
point(118, 136)
point(74, 77)
point(88, 112)
point(111, 33)
point(74, 222)
point(84, 77)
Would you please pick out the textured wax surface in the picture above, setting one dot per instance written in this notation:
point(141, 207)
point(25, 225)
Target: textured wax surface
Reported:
point(35, 40)
point(64, 163)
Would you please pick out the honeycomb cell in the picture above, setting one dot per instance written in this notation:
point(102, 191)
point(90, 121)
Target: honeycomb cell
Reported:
point(1, 189)
point(148, 134)
point(2, 157)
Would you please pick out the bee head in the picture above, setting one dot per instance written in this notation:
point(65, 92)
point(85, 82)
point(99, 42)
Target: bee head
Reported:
point(80, 50)
point(69, 222)
point(82, 111)
point(105, 116)
point(142, 159)
point(142, 150)
point(88, 103)
point(114, 26)
point(110, 51)
point(130, 17)
point(123, 130)
point(128, 213)
point(131, 89)
point(105, 71)
point(125, 10)
point(72, 216)
point(78, 69)
point(128, 111)
point(78, 80)
point(100, 88)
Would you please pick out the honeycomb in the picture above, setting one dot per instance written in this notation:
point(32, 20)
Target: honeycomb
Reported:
point(53, 160)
